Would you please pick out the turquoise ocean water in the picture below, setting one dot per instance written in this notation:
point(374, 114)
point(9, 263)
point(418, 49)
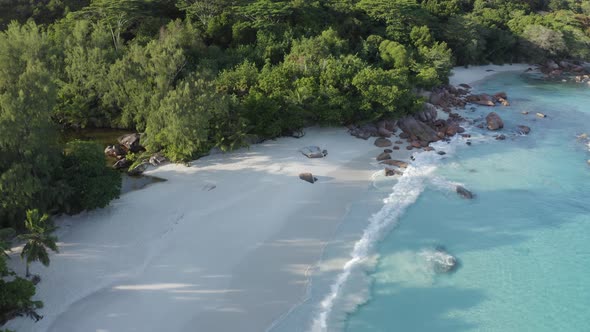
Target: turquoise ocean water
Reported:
point(523, 243)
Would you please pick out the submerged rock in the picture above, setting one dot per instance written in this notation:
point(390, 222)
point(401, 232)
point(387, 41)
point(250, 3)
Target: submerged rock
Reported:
point(481, 99)
point(397, 163)
point(308, 177)
point(313, 152)
point(382, 142)
point(392, 172)
point(502, 95)
point(441, 260)
point(383, 156)
point(464, 192)
point(523, 130)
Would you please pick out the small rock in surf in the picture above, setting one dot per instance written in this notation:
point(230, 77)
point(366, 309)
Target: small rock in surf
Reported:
point(314, 152)
point(308, 177)
point(464, 192)
point(442, 261)
point(524, 130)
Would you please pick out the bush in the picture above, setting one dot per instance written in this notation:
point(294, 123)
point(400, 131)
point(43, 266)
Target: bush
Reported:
point(91, 182)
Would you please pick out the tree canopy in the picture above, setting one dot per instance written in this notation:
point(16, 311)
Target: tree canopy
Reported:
point(191, 75)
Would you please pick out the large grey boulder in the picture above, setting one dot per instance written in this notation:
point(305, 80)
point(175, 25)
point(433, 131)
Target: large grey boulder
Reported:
point(419, 129)
point(115, 151)
point(494, 122)
point(314, 152)
point(157, 159)
point(382, 142)
point(428, 114)
point(131, 142)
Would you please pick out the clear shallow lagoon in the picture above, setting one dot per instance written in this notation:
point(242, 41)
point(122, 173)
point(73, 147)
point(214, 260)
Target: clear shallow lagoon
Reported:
point(523, 243)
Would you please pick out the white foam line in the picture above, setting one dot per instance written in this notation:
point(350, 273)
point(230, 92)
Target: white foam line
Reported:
point(405, 192)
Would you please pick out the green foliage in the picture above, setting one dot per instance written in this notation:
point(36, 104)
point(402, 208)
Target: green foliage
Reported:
point(385, 93)
point(16, 299)
point(28, 148)
point(37, 239)
point(41, 11)
point(15, 292)
point(197, 74)
point(203, 10)
point(546, 39)
point(399, 16)
point(88, 54)
point(91, 183)
point(145, 75)
point(394, 54)
point(181, 126)
point(442, 8)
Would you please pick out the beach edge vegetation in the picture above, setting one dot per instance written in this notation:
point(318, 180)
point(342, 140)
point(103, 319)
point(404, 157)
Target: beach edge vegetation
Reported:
point(193, 75)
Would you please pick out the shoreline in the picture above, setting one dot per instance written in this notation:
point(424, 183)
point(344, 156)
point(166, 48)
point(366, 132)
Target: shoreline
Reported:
point(474, 74)
point(192, 249)
point(127, 257)
point(353, 278)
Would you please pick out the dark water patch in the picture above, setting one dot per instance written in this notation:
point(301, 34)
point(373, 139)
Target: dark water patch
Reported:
point(103, 136)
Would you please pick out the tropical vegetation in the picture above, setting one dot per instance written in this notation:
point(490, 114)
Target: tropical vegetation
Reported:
point(196, 74)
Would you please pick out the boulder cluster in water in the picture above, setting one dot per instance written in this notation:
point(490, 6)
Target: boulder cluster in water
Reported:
point(575, 71)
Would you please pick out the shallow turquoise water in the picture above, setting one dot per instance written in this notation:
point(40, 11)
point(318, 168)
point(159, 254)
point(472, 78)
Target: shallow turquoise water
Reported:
point(523, 243)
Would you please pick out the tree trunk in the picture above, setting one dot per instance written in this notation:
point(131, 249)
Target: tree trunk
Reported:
point(27, 270)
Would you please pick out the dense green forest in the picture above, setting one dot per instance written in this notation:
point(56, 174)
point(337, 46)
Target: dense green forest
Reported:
point(196, 74)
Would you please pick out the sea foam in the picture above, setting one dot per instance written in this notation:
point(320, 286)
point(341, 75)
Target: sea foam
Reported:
point(338, 302)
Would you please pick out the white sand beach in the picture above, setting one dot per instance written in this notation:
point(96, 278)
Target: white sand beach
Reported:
point(474, 74)
point(224, 245)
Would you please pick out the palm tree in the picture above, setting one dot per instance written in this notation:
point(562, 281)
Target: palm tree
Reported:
point(38, 239)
